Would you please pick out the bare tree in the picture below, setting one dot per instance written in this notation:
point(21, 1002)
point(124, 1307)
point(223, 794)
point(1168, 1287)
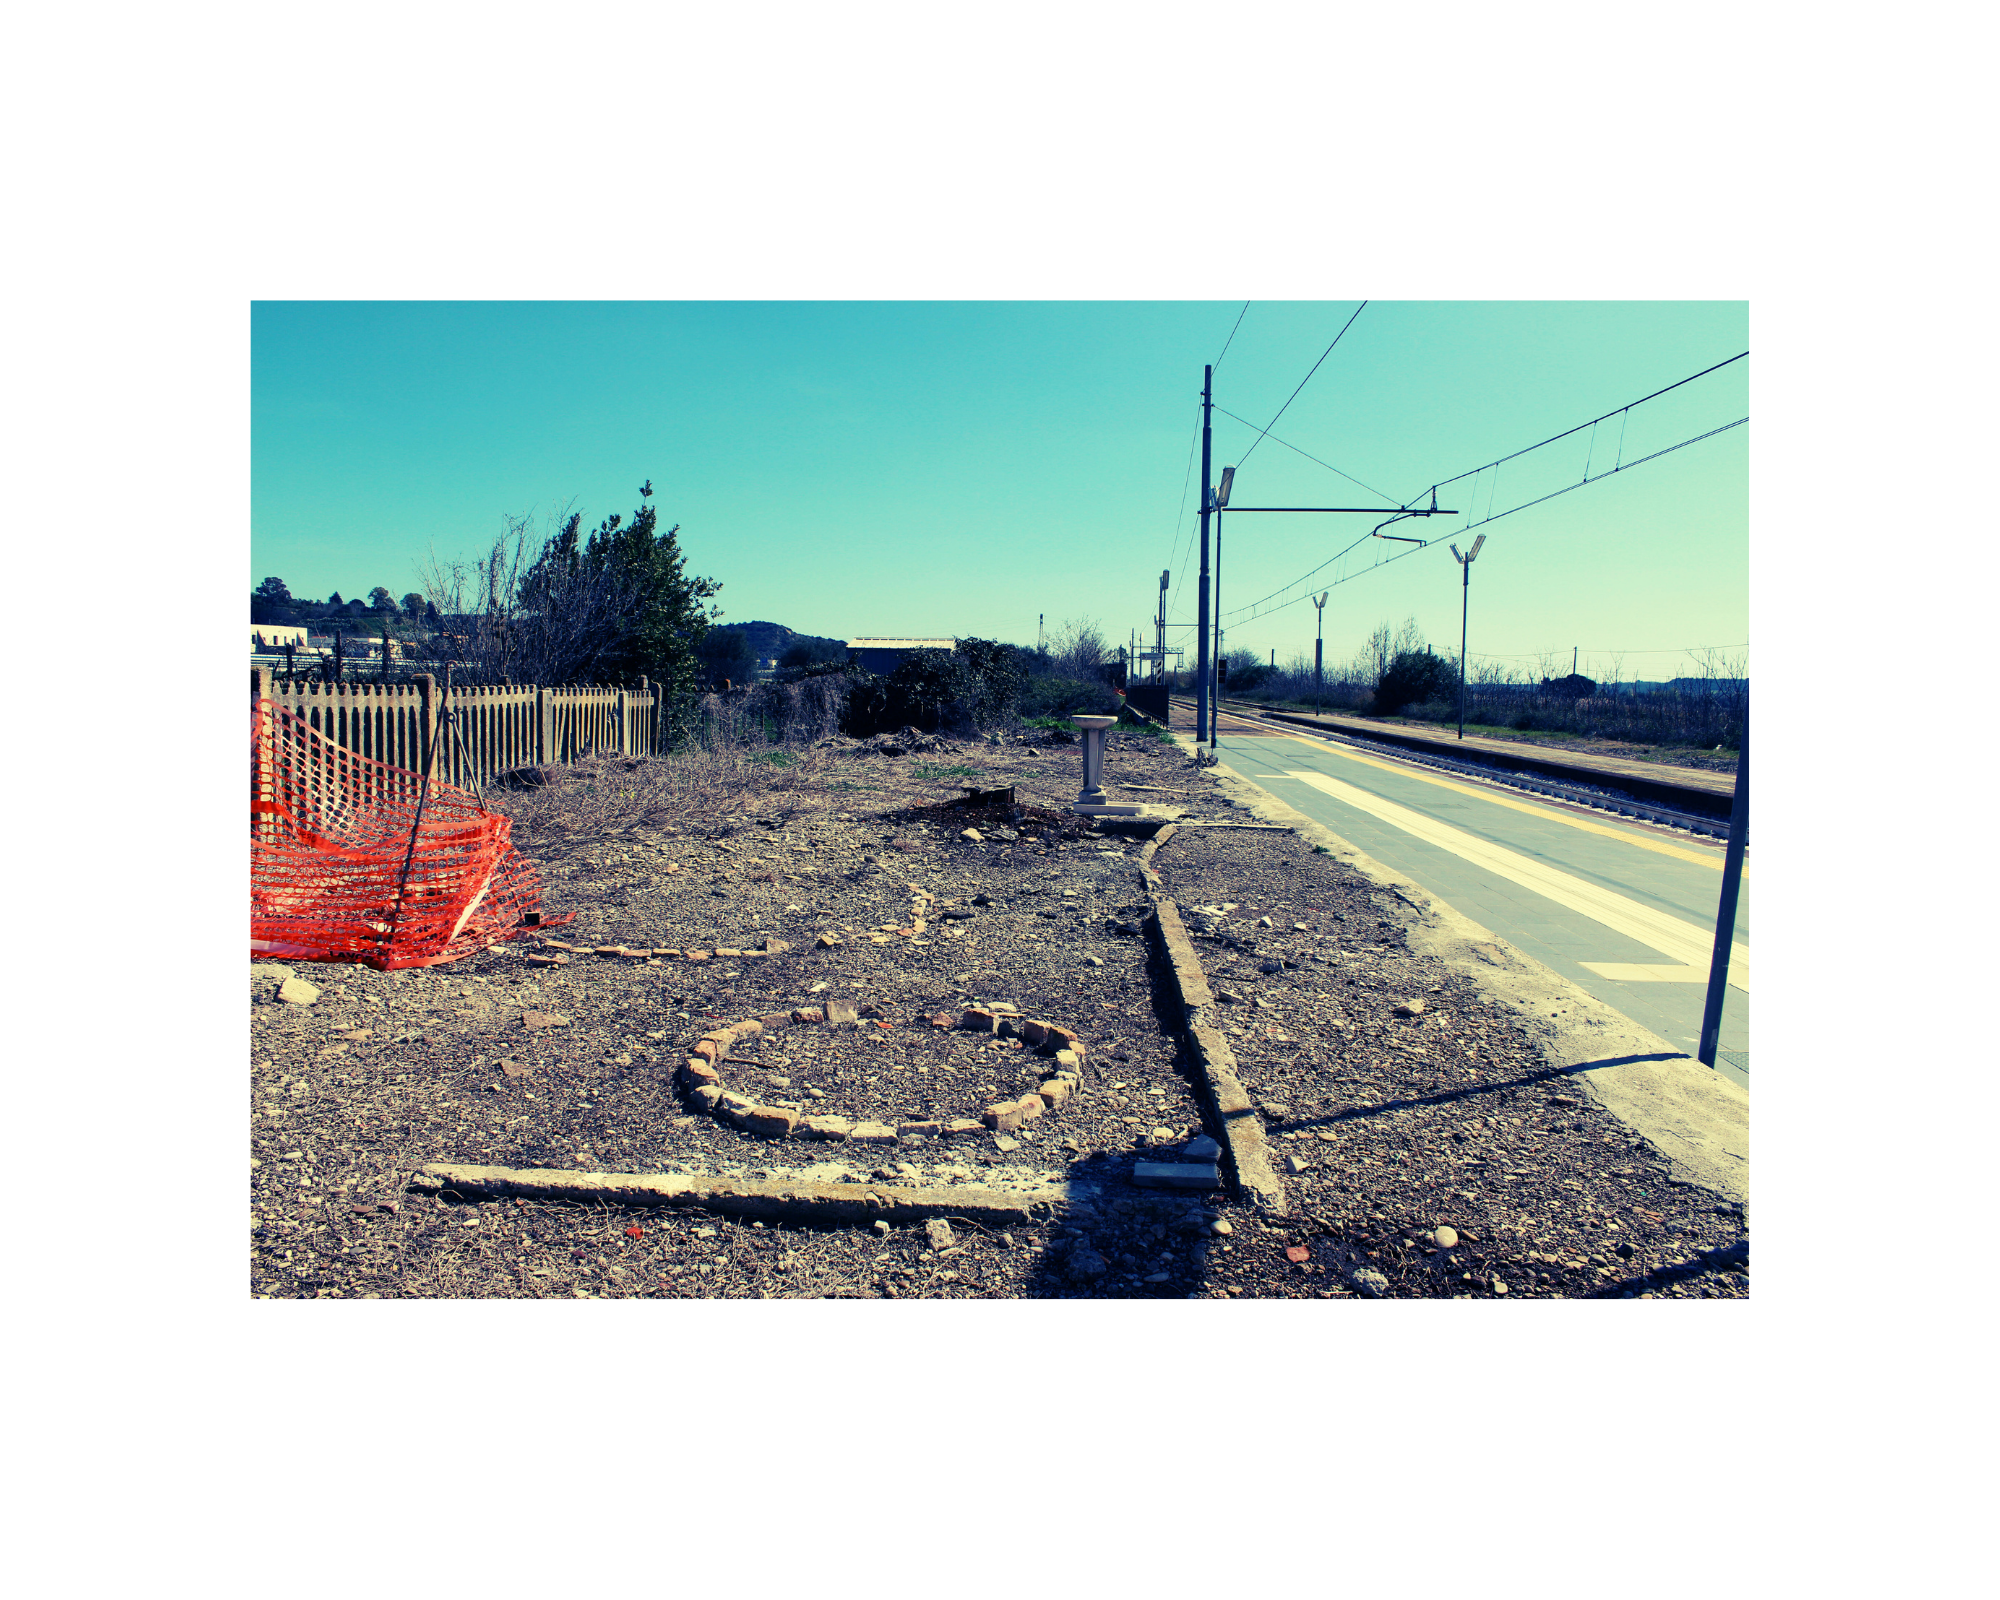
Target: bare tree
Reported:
point(1077, 649)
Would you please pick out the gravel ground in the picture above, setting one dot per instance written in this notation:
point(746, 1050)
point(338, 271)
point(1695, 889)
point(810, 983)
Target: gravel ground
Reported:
point(1401, 1120)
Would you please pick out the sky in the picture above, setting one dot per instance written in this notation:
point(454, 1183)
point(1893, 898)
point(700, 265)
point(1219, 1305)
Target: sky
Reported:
point(940, 469)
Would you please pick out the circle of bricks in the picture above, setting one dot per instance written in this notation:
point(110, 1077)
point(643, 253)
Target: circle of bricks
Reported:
point(701, 1075)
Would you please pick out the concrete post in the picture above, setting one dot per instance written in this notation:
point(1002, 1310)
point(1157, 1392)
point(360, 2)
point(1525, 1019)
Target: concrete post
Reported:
point(1093, 759)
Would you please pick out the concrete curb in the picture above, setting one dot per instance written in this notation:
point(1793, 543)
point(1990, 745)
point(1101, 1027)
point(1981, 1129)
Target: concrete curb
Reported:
point(1235, 1112)
point(784, 1199)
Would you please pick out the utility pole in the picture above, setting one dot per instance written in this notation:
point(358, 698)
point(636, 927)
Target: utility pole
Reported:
point(1203, 722)
point(1572, 660)
point(1160, 627)
point(1725, 912)
point(1319, 642)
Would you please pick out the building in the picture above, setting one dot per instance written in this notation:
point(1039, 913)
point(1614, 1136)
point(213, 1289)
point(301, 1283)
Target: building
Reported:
point(268, 638)
point(883, 656)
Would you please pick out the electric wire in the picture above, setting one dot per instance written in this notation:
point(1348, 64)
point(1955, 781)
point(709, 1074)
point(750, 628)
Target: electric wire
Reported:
point(1302, 383)
point(1330, 467)
point(1226, 343)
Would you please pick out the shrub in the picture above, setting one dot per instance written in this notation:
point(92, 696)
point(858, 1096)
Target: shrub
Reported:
point(1415, 676)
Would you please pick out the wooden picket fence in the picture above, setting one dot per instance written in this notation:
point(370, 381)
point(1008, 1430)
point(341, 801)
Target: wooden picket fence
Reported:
point(498, 727)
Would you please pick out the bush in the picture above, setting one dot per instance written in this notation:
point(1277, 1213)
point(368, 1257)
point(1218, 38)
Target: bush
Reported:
point(1415, 676)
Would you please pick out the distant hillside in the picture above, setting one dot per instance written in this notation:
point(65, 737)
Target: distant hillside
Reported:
point(770, 640)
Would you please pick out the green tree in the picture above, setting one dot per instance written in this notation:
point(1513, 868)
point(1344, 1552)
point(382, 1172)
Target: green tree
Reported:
point(380, 599)
point(413, 604)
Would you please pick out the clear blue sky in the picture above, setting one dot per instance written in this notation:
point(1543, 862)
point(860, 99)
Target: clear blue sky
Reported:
point(938, 468)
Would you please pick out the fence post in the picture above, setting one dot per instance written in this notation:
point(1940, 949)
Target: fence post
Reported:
point(645, 708)
point(263, 787)
point(427, 724)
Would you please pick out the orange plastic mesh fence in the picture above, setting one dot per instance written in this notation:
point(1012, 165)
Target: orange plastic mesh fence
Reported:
point(329, 831)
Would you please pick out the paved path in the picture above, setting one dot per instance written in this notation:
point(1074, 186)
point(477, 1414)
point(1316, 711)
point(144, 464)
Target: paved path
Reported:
point(1624, 910)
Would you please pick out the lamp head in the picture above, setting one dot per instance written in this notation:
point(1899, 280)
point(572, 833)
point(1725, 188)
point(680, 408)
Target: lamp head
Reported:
point(1222, 489)
point(1476, 543)
point(1454, 551)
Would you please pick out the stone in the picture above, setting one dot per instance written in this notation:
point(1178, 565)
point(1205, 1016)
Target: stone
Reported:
point(1032, 1106)
point(955, 914)
point(1221, 1225)
point(695, 1072)
point(747, 1029)
point(872, 1133)
point(1061, 1039)
point(271, 972)
point(1055, 1091)
point(776, 1019)
point(1004, 1117)
point(1276, 1110)
point(827, 941)
point(829, 1127)
point(1004, 1144)
point(297, 992)
point(1162, 1135)
point(774, 1122)
point(1035, 1032)
point(931, 1129)
point(1300, 927)
point(1445, 1237)
point(808, 1014)
point(515, 1069)
point(1296, 1163)
point(710, 1050)
point(1625, 1250)
point(1095, 961)
point(1229, 997)
point(708, 1096)
point(938, 1231)
point(1176, 1175)
point(1369, 1281)
point(1202, 1148)
point(1499, 1287)
point(773, 947)
point(842, 1014)
point(1410, 1008)
point(1069, 1059)
point(972, 836)
point(1085, 1265)
point(1265, 922)
point(882, 1227)
point(963, 1125)
point(977, 1019)
point(535, 1021)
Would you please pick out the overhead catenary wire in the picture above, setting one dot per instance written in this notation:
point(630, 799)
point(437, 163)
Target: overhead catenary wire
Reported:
point(1302, 383)
point(1393, 505)
point(1226, 343)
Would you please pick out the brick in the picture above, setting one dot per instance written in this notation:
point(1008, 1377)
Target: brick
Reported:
point(708, 1095)
point(1032, 1106)
point(697, 1072)
point(841, 1014)
point(808, 1014)
point(931, 1128)
point(1035, 1032)
point(872, 1133)
point(1055, 1090)
point(732, 1106)
point(774, 1122)
point(1065, 1039)
point(777, 1019)
point(1176, 1175)
point(710, 1050)
point(694, 955)
point(1069, 1060)
point(962, 1125)
point(730, 954)
point(977, 1019)
point(1004, 1117)
point(608, 950)
point(829, 1127)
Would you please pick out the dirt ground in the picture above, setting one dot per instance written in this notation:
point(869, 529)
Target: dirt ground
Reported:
point(1401, 1125)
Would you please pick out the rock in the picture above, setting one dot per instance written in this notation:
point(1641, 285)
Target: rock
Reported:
point(972, 836)
point(774, 947)
point(1276, 1110)
point(1265, 922)
point(1093, 961)
point(882, 1227)
point(1055, 1091)
point(708, 1096)
point(929, 1129)
point(1410, 1008)
point(1445, 1238)
point(829, 1127)
point(776, 1019)
point(938, 1231)
point(982, 899)
point(1162, 1136)
point(872, 1133)
point(955, 915)
point(978, 1019)
point(808, 1014)
point(535, 1021)
point(1229, 997)
point(1069, 1060)
point(1625, 1250)
point(1296, 1163)
point(696, 1072)
point(1369, 1281)
point(1004, 1144)
point(963, 1125)
point(1300, 927)
point(780, 1083)
point(1221, 1225)
point(1006, 1116)
point(515, 1069)
point(842, 1014)
point(774, 1122)
point(826, 941)
point(1085, 1265)
point(297, 992)
point(271, 972)
point(1270, 969)
point(1499, 1287)
point(1202, 1148)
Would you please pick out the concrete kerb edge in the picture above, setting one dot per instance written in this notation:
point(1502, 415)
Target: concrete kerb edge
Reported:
point(1696, 1118)
point(1235, 1113)
point(767, 1199)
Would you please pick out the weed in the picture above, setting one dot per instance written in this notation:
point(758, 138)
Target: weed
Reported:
point(930, 772)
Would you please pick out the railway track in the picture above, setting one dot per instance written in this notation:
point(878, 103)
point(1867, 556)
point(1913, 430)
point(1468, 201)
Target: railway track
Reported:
point(1607, 796)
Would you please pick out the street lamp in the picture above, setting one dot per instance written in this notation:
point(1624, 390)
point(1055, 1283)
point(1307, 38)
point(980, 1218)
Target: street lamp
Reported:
point(1464, 603)
point(1319, 637)
point(1221, 499)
